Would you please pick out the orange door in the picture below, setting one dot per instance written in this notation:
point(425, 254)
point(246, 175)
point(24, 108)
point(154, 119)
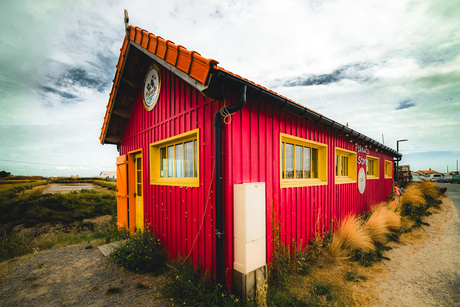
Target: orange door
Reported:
point(122, 192)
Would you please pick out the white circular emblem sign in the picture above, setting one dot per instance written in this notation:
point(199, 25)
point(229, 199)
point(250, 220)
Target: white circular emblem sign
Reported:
point(152, 86)
point(361, 180)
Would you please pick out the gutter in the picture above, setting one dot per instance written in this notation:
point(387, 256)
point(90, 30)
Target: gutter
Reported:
point(289, 106)
point(218, 127)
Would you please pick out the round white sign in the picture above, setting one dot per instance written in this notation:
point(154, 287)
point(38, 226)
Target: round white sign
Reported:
point(152, 86)
point(361, 180)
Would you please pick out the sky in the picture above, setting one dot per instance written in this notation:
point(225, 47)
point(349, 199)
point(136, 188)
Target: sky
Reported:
point(389, 69)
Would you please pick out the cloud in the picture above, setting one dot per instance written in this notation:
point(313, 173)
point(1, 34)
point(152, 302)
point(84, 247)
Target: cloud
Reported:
point(353, 72)
point(405, 104)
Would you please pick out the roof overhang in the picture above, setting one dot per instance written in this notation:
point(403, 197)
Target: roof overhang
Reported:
point(140, 49)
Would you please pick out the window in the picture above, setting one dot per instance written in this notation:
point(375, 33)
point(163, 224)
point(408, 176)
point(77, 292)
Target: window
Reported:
point(372, 167)
point(345, 166)
point(388, 169)
point(174, 161)
point(303, 162)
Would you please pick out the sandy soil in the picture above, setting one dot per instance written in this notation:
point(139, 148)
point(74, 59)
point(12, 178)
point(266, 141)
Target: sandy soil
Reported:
point(426, 273)
point(75, 276)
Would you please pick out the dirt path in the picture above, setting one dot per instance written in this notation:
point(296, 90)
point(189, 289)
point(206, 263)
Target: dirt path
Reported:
point(426, 273)
point(75, 276)
point(64, 188)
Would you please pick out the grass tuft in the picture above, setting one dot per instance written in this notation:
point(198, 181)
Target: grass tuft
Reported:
point(377, 225)
point(350, 236)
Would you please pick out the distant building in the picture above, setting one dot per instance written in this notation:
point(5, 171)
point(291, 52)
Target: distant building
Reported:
point(427, 172)
point(108, 175)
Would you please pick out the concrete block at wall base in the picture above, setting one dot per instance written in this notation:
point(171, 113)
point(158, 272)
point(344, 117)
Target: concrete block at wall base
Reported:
point(252, 286)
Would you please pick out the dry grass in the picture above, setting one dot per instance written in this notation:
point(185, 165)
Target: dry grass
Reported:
point(377, 225)
point(350, 236)
point(392, 216)
point(413, 195)
point(429, 189)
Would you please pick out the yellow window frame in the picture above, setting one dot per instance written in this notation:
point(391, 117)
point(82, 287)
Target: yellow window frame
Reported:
point(388, 169)
point(373, 167)
point(320, 177)
point(345, 174)
point(156, 163)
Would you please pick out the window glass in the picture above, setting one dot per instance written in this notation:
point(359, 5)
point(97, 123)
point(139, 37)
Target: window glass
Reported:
point(283, 164)
point(344, 166)
point(289, 161)
point(175, 161)
point(195, 160)
point(188, 159)
point(298, 161)
point(179, 160)
point(306, 162)
point(170, 161)
point(163, 162)
point(302, 162)
point(314, 163)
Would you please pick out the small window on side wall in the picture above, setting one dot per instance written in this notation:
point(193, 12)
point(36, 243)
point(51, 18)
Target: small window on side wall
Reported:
point(388, 169)
point(174, 161)
point(345, 166)
point(372, 167)
point(302, 162)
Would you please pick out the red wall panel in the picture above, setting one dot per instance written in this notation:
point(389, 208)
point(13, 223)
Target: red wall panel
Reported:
point(176, 213)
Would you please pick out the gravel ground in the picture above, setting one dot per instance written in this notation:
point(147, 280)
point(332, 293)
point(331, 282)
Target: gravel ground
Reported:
point(426, 273)
point(75, 276)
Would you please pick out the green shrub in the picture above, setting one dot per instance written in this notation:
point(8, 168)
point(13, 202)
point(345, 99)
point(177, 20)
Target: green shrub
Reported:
point(186, 286)
point(142, 253)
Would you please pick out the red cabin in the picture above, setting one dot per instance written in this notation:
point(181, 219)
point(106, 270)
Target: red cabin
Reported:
point(203, 149)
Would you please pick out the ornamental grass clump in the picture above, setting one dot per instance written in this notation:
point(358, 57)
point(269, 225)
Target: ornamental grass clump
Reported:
point(350, 236)
point(377, 226)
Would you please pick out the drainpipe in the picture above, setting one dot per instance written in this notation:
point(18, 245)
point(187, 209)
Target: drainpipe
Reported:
point(218, 127)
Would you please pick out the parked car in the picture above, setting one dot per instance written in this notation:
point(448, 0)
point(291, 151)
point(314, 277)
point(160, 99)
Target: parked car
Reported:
point(434, 177)
point(455, 179)
point(445, 179)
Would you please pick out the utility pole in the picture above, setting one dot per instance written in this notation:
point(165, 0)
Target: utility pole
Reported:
point(397, 162)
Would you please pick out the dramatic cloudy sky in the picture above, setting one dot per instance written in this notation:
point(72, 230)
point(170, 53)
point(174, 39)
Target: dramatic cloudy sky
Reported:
point(390, 69)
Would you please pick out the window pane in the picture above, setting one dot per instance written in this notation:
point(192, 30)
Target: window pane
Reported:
point(336, 165)
point(139, 190)
point(298, 161)
point(163, 162)
point(314, 163)
point(179, 160)
point(289, 161)
point(283, 175)
point(195, 162)
point(306, 162)
point(170, 161)
point(344, 171)
point(188, 157)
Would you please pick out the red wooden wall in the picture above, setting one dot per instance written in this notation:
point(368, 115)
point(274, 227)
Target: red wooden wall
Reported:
point(176, 213)
point(251, 154)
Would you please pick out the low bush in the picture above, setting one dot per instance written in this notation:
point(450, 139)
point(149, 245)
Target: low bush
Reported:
point(186, 285)
point(142, 253)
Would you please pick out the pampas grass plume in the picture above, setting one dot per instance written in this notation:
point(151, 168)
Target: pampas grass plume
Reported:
point(350, 236)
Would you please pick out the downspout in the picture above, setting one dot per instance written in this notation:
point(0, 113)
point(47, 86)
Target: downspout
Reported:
point(218, 127)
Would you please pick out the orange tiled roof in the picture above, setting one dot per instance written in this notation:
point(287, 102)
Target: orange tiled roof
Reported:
point(190, 62)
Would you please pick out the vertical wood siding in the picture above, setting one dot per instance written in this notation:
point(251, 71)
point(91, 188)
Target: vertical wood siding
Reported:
point(176, 213)
point(251, 154)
